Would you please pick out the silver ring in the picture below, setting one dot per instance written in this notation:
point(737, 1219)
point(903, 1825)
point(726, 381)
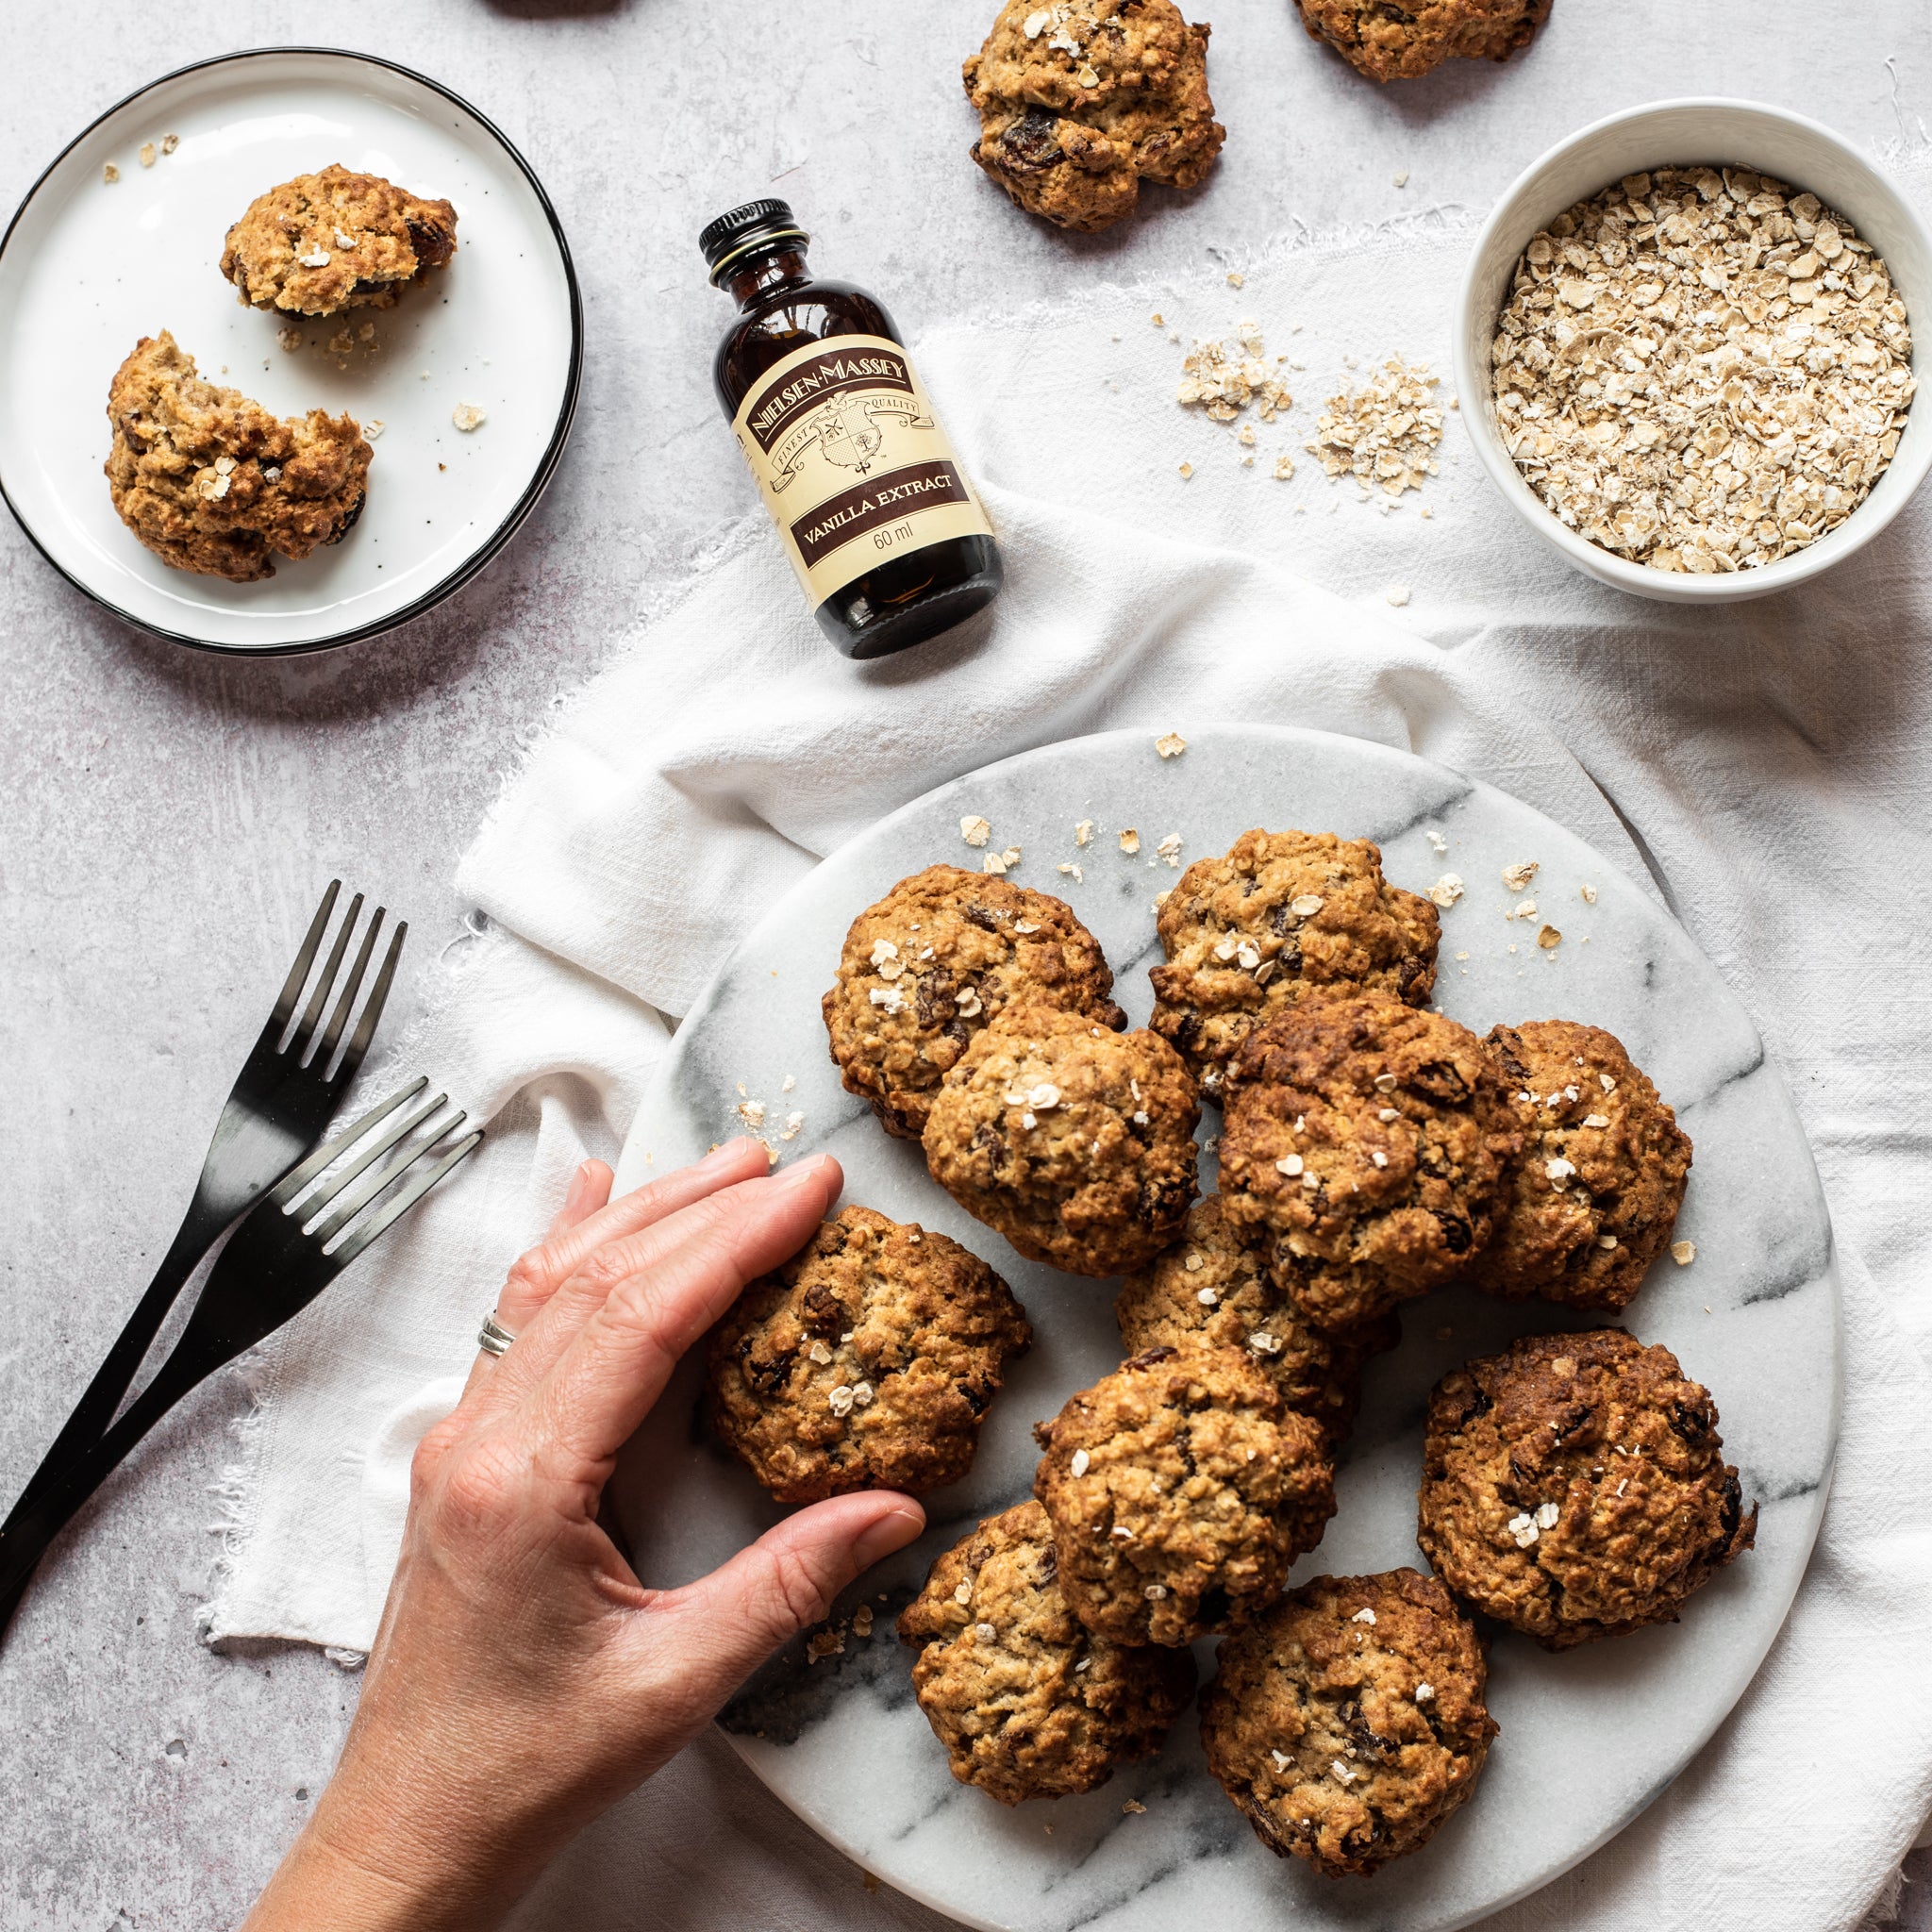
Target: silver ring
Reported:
point(493, 1338)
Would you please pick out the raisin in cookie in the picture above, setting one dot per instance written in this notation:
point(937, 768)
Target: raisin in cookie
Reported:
point(1368, 1141)
point(1027, 1703)
point(1390, 43)
point(323, 244)
point(924, 969)
point(1281, 915)
point(1079, 99)
point(1594, 1194)
point(210, 482)
point(867, 1361)
point(1349, 1721)
point(1574, 1489)
point(1075, 1143)
point(1214, 1286)
point(1180, 1490)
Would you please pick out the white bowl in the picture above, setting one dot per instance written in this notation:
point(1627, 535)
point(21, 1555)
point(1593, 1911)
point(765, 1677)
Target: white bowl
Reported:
point(1718, 133)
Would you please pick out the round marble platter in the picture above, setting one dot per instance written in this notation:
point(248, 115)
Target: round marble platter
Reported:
point(1588, 1738)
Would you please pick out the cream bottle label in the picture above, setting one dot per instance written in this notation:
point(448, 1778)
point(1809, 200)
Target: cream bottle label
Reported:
point(850, 461)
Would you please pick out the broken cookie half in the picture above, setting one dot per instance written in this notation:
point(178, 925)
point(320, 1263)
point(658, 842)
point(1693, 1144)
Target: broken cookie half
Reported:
point(212, 482)
point(323, 244)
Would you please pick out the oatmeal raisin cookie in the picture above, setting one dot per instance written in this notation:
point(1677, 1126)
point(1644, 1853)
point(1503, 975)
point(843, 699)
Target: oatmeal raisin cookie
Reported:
point(1369, 1142)
point(323, 244)
point(1594, 1195)
point(1575, 1487)
point(1027, 1703)
point(867, 1361)
point(1212, 1285)
point(924, 969)
point(210, 482)
point(1075, 1143)
point(1348, 1722)
point(1180, 1490)
point(1390, 43)
point(1078, 100)
point(1277, 917)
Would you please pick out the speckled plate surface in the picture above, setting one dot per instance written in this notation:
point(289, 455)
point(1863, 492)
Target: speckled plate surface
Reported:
point(1588, 1738)
point(88, 267)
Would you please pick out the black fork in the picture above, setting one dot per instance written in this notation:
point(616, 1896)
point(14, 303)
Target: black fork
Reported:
point(293, 1244)
point(283, 1099)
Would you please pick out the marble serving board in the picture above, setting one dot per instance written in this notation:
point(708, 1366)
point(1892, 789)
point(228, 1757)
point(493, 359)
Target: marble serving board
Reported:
point(1588, 1738)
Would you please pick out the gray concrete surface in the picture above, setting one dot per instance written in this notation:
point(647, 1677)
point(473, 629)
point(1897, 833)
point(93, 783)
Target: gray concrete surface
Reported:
point(166, 819)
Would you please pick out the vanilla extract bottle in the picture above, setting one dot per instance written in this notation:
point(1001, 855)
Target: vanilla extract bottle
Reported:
point(888, 538)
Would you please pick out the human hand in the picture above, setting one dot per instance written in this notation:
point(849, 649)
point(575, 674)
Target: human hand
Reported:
point(523, 1676)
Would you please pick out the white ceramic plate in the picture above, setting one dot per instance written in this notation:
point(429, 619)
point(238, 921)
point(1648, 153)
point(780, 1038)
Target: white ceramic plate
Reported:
point(88, 268)
point(1588, 1738)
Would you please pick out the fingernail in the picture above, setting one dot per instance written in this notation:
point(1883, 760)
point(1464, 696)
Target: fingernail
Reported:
point(889, 1532)
point(728, 1155)
point(812, 1170)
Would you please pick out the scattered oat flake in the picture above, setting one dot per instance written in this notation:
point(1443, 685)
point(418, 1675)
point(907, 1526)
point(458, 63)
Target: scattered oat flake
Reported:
point(1447, 889)
point(1384, 433)
point(373, 428)
point(1683, 1253)
point(787, 1083)
point(1073, 871)
point(1222, 378)
point(793, 1122)
point(1130, 841)
point(1155, 320)
point(1171, 745)
point(1364, 1615)
point(169, 142)
point(147, 154)
point(1342, 1773)
point(839, 1400)
point(1396, 594)
point(1284, 469)
point(752, 1112)
point(1134, 1807)
point(467, 416)
point(1523, 1530)
point(1170, 848)
point(1083, 832)
point(1517, 878)
point(1262, 1343)
point(1402, 177)
point(1282, 1760)
point(1546, 1515)
point(1080, 1462)
point(993, 862)
point(975, 829)
point(316, 257)
point(110, 174)
point(1548, 937)
point(1187, 470)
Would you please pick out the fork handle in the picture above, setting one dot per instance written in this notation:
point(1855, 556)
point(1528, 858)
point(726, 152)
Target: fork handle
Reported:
point(95, 1408)
point(36, 1524)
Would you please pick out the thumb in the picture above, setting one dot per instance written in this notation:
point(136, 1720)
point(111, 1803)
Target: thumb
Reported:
point(734, 1619)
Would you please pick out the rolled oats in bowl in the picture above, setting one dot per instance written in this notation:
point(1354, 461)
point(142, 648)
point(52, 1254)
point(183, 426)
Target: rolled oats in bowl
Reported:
point(1701, 370)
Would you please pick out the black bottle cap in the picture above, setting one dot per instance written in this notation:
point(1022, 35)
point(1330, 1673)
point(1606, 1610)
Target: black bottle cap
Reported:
point(757, 225)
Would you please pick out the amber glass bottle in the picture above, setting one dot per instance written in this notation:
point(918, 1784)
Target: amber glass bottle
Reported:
point(886, 536)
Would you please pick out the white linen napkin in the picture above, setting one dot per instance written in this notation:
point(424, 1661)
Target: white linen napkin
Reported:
point(1765, 760)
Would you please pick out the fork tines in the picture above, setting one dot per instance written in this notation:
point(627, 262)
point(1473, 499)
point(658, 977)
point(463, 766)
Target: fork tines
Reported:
point(348, 1173)
point(302, 1045)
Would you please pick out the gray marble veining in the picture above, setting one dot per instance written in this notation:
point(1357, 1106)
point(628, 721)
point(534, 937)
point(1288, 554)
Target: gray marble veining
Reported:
point(1589, 1737)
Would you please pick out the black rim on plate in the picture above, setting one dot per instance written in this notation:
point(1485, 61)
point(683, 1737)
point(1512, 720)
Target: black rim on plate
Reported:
point(546, 467)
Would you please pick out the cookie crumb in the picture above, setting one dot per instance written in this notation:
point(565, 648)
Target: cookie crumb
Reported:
point(1130, 841)
point(1589, 894)
point(1171, 745)
point(1517, 878)
point(1134, 1807)
point(975, 829)
point(1402, 177)
point(467, 416)
point(147, 154)
point(1447, 889)
point(169, 142)
point(1548, 937)
point(110, 174)
point(1187, 470)
point(1683, 1253)
point(1396, 594)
